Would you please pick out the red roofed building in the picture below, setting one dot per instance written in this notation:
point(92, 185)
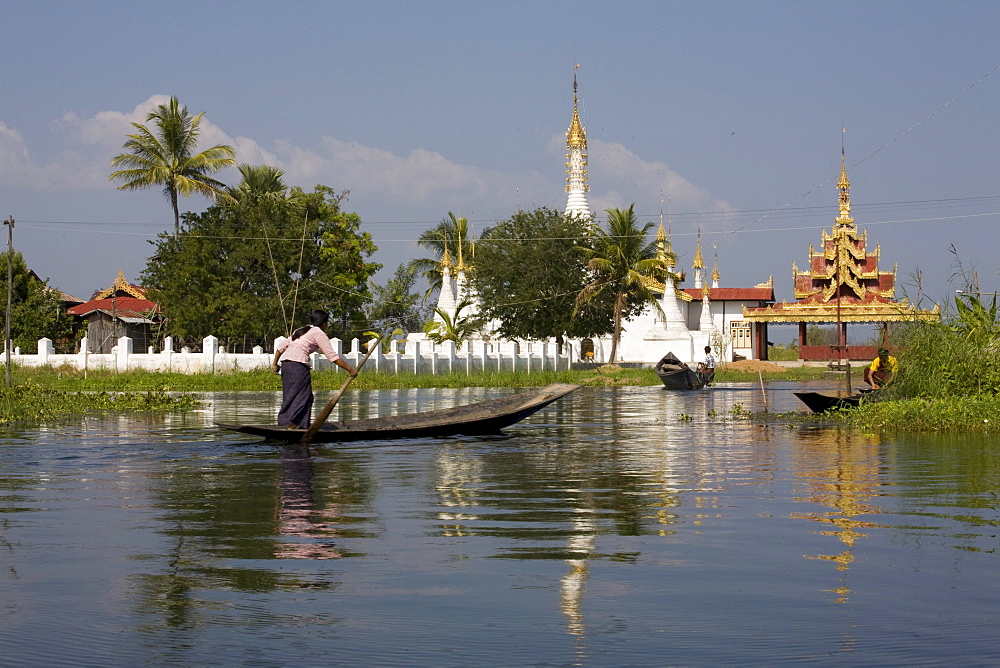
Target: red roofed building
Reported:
point(843, 284)
point(121, 310)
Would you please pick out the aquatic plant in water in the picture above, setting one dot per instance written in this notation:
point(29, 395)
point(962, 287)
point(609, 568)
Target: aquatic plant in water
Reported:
point(30, 402)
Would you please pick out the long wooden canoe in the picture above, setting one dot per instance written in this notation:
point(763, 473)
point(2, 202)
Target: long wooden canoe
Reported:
point(484, 417)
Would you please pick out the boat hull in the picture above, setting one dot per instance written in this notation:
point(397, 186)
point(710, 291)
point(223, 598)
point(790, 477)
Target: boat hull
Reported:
point(676, 375)
point(485, 417)
point(684, 379)
point(818, 402)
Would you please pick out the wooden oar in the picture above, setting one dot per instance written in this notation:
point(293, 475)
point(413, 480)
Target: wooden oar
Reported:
point(325, 413)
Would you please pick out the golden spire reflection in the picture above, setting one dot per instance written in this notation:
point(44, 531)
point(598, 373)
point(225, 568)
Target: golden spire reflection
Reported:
point(841, 473)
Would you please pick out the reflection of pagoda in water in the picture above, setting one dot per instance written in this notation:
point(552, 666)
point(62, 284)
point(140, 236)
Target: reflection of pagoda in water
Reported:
point(844, 480)
point(842, 284)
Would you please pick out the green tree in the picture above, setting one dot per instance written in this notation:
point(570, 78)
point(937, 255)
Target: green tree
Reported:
point(394, 306)
point(35, 307)
point(528, 272)
point(451, 234)
point(248, 271)
point(165, 156)
point(817, 335)
point(622, 263)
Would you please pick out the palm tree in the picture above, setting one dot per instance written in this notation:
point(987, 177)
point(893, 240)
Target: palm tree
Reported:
point(166, 157)
point(623, 263)
point(455, 328)
point(451, 234)
point(259, 182)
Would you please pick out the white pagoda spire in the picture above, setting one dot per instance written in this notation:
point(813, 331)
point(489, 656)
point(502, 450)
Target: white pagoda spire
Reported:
point(576, 163)
point(706, 324)
point(447, 302)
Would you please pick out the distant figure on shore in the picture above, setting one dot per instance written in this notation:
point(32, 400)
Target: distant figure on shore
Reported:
point(291, 360)
point(881, 370)
point(707, 368)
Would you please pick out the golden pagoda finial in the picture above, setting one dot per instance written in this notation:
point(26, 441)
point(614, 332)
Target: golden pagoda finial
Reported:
point(715, 267)
point(844, 185)
point(576, 136)
point(460, 265)
point(699, 262)
point(445, 260)
point(661, 236)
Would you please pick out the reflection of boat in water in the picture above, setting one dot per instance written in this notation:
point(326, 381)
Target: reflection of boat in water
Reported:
point(676, 375)
point(821, 403)
point(484, 417)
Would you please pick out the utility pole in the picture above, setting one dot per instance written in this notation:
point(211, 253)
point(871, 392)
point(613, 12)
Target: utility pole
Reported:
point(10, 289)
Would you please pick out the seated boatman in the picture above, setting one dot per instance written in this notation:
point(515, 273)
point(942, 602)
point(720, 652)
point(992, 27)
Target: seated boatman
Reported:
point(881, 370)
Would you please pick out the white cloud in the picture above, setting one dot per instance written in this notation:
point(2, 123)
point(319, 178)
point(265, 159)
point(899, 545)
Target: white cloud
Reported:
point(15, 160)
point(107, 129)
point(422, 183)
point(619, 177)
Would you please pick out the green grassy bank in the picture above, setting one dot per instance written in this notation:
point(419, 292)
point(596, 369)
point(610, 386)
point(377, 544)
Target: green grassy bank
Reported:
point(262, 380)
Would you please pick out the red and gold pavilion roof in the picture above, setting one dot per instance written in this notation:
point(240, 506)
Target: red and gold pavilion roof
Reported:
point(843, 282)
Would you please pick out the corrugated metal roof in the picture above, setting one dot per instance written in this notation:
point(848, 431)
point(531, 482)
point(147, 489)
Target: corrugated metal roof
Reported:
point(121, 306)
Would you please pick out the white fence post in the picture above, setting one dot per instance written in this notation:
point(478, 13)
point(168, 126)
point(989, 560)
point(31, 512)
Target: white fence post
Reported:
point(416, 357)
point(209, 351)
point(124, 351)
point(447, 352)
point(45, 350)
point(394, 351)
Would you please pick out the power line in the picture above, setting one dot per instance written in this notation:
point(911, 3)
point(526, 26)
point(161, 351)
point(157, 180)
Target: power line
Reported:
point(678, 219)
point(722, 233)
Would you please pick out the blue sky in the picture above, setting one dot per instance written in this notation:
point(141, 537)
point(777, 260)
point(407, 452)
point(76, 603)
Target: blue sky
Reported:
point(731, 111)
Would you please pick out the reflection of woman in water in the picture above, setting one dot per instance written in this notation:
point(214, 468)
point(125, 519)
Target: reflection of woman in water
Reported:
point(297, 514)
point(291, 359)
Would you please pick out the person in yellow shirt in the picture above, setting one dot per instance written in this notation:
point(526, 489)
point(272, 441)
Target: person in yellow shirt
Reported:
point(881, 370)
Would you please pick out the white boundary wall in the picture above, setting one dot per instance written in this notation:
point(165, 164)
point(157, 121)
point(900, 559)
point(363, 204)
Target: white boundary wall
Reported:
point(421, 356)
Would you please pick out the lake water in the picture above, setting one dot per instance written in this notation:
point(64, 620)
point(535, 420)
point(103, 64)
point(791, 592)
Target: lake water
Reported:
point(620, 526)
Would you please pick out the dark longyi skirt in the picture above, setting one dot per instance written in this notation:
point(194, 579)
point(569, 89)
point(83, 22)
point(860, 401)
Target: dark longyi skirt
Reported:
point(296, 395)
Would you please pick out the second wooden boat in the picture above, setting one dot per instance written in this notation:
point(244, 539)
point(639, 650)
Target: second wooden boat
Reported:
point(818, 402)
point(676, 375)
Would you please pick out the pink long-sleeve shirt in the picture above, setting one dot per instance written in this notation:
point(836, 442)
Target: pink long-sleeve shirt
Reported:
point(299, 350)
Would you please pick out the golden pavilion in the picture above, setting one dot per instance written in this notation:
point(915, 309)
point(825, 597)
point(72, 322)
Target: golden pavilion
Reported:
point(843, 284)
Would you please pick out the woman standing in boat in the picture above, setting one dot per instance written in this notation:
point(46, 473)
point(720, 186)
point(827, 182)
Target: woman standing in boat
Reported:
point(291, 360)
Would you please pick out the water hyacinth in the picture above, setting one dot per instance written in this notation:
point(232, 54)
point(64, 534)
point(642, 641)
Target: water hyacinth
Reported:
point(30, 402)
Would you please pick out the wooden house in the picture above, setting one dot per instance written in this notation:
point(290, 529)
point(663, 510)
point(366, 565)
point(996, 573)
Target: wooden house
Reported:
point(120, 310)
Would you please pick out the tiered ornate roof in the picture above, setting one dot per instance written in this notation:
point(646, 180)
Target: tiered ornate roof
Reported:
point(122, 300)
point(843, 281)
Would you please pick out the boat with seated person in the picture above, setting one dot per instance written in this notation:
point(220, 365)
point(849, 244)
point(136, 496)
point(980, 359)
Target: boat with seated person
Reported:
point(676, 375)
